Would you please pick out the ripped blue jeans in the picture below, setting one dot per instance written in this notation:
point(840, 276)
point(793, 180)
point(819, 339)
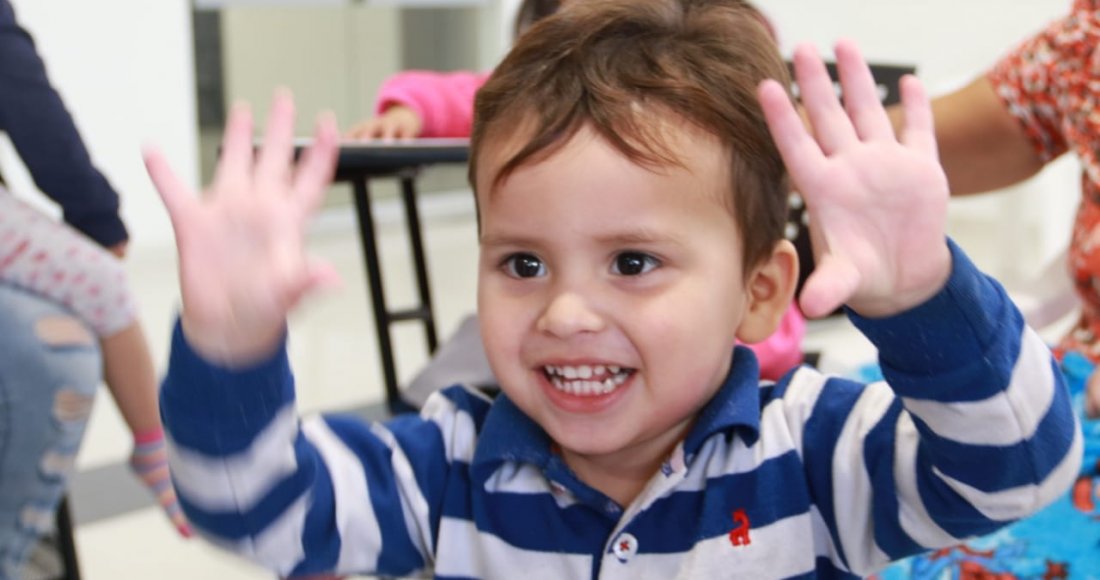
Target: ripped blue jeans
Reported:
point(50, 369)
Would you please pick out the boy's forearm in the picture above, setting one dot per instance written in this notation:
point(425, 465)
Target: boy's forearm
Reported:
point(972, 429)
point(269, 486)
point(231, 435)
point(991, 408)
point(216, 409)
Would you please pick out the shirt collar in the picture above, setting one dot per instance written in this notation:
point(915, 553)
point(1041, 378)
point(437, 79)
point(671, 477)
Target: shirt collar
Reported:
point(735, 407)
point(510, 435)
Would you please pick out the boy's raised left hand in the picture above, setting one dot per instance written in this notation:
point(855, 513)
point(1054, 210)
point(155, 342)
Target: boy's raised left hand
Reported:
point(877, 202)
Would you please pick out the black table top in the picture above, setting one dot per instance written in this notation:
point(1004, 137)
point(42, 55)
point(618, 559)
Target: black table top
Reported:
point(377, 158)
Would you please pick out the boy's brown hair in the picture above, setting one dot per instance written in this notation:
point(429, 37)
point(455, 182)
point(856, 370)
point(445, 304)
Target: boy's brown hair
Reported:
point(531, 11)
point(609, 64)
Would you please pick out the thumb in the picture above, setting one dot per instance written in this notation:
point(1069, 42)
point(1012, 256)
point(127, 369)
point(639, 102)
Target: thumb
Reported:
point(319, 275)
point(832, 282)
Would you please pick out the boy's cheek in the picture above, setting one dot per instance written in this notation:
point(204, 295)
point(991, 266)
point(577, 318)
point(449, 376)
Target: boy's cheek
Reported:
point(500, 327)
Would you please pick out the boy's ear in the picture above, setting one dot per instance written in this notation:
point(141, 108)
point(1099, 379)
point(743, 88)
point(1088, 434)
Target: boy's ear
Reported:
point(769, 292)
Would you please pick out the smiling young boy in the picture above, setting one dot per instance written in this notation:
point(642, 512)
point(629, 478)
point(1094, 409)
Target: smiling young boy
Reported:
point(631, 191)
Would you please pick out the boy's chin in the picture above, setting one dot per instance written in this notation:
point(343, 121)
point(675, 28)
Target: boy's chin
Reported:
point(589, 436)
point(586, 445)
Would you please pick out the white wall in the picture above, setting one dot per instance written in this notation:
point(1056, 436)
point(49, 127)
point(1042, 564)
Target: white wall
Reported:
point(950, 40)
point(125, 69)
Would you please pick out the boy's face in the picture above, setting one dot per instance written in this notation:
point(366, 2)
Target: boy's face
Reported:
point(609, 294)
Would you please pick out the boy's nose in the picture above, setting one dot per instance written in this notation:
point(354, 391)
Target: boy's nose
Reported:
point(568, 314)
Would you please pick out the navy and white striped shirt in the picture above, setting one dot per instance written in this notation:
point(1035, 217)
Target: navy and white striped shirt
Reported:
point(812, 476)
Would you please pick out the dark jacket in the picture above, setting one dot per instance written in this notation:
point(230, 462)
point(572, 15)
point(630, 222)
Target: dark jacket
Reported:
point(43, 132)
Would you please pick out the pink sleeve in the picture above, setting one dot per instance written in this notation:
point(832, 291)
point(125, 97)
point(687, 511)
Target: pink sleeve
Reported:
point(782, 351)
point(444, 101)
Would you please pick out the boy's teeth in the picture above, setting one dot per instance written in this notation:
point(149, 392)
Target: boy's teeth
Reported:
point(585, 380)
point(584, 372)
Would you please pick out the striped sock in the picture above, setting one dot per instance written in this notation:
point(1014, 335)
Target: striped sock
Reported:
point(149, 462)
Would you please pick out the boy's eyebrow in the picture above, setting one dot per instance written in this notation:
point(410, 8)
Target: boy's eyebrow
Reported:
point(633, 236)
point(504, 240)
point(638, 235)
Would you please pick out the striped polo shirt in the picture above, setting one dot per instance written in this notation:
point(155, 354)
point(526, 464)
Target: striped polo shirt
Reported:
point(812, 476)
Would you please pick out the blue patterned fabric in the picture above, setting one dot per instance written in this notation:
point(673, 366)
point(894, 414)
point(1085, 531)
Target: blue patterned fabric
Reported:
point(1062, 541)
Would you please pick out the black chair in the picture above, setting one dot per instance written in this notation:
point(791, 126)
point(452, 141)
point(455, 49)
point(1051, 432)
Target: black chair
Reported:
point(66, 542)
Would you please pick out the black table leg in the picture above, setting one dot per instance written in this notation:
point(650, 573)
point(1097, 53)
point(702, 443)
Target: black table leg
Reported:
point(383, 318)
point(412, 220)
point(378, 299)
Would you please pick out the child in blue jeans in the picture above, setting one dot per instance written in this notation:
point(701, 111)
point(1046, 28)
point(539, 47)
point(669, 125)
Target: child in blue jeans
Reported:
point(50, 369)
point(67, 271)
point(629, 159)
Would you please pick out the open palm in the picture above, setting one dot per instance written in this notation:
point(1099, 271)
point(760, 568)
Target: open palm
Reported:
point(877, 202)
point(243, 264)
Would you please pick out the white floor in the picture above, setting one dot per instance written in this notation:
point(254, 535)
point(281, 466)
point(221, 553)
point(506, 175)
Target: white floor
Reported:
point(334, 355)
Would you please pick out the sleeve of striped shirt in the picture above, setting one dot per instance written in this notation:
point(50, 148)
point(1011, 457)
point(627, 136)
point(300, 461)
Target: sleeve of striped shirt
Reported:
point(971, 430)
point(323, 494)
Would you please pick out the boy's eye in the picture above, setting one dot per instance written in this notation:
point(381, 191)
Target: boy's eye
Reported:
point(634, 263)
point(524, 266)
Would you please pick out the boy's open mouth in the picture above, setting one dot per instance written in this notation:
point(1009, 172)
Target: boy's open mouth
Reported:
point(587, 380)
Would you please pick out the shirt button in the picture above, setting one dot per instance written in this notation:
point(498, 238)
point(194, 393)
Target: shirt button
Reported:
point(625, 546)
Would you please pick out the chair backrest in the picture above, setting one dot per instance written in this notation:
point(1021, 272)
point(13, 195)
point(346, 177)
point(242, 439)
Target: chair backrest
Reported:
point(888, 78)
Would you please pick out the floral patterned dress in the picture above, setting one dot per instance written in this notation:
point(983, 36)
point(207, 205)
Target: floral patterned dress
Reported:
point(1051, 83)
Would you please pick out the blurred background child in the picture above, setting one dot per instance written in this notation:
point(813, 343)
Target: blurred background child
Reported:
point(76, 266)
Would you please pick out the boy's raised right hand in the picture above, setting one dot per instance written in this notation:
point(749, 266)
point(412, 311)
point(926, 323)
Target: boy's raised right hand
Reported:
point(241, 248)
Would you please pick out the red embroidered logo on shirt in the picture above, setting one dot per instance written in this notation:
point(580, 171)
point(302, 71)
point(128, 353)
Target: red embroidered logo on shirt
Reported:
point(739, 535)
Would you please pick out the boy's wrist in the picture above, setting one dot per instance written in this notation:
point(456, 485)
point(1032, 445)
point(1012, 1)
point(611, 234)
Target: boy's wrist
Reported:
point(215, 409)
point(232, 349)
point(936, 273)
point(946, 331)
